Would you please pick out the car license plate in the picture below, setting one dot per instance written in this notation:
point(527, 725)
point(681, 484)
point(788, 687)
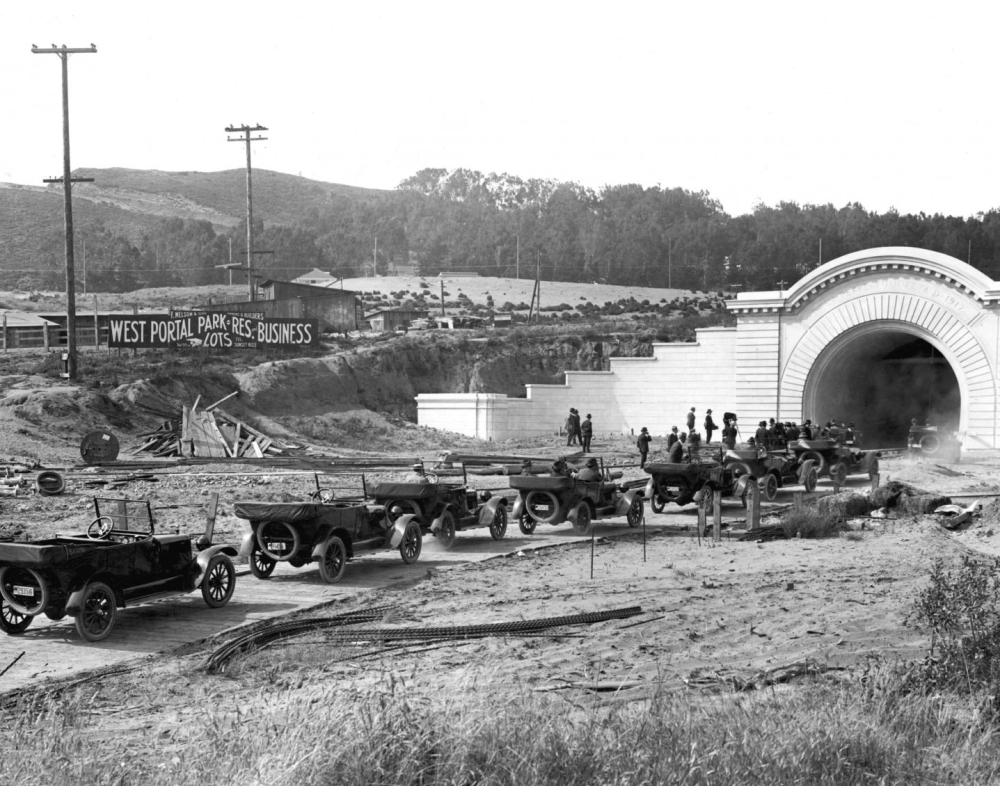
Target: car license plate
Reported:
point(542, 508)
point(24, 591)
point(276, 546)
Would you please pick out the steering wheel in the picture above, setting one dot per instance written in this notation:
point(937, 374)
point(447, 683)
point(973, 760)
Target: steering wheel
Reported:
point(100, 528)
point(322, 496)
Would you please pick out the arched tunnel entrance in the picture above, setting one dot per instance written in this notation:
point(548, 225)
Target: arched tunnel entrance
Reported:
point(880, 379)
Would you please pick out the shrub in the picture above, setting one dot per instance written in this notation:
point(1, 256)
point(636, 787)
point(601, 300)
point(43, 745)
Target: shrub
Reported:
point(808, 522)
point(961, 609)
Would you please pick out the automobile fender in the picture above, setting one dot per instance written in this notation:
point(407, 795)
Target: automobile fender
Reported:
point(75, 602)
point(246, 544)
point(741, 485)
point(489, 510)
point(624, 501)
point(439, 519)
point(206, 555)
point(649, 491)
point(319, 549)
point(399, 527)
point(518, 509)
point(571, 515)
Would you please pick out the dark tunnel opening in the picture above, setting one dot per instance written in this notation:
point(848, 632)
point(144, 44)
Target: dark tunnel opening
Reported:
point(881, 381)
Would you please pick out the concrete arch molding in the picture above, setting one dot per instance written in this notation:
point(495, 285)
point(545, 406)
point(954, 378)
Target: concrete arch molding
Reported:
point(867, 327)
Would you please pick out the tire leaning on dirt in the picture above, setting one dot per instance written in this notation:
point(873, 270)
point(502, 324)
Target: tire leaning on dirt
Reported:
point(49, 482)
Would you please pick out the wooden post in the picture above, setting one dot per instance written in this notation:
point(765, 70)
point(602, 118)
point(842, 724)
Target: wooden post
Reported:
point(702, 512)
point(97, 327)
point(213, 505)
point(876, 478)
point(753, 506)
point(45, 336)
point(5, 333)
point(717, 515)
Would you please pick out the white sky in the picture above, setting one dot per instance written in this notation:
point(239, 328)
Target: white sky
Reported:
point(882, 103)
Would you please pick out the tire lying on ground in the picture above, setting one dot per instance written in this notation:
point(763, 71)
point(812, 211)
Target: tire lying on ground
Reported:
point(49, 482)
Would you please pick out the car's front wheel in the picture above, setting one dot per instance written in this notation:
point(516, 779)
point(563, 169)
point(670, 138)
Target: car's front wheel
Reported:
point(498, 527)
point(219, 582)
point(412, 542)
point(527, 524)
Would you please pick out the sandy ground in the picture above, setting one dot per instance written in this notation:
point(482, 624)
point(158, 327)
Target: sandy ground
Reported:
point(711, 612)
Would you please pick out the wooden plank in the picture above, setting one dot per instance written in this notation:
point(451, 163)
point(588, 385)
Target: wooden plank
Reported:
point(223, 400)
point(222, 437)
point(205, 437)
point(256, 449)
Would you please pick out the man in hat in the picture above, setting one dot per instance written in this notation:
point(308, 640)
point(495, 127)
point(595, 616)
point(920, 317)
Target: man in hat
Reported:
point(587, 433)
point(590, 472)
point(690, 420)
point(709, 426)
point(643, 444)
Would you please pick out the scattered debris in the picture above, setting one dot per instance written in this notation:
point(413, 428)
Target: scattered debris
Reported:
point(209, 432)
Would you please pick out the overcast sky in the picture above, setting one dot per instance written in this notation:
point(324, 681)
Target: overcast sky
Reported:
point(889, 104)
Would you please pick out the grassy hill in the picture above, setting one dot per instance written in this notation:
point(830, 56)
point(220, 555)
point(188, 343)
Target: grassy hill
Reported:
point(129, 202)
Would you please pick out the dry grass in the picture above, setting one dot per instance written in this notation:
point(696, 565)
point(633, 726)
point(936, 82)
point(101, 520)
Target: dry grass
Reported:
point(322, 731)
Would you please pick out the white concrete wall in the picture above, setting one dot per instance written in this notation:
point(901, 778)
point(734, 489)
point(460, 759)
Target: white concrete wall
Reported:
point(654, 392)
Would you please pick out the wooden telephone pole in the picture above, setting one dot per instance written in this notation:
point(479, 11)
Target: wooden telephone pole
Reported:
point(246, 130)
point(64, 53)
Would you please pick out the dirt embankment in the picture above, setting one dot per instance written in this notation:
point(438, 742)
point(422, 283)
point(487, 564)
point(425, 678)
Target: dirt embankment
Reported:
point(359, 398)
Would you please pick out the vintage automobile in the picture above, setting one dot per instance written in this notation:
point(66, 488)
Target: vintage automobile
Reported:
point(931, 440)
point(834, 458)
point(679, 483)
point(554, 499)
point(772, 470)
point(325, 530)
point(441, 502)
point(119, 561)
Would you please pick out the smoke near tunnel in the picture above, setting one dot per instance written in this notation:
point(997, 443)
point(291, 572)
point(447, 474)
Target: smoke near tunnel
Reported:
point(880, 381)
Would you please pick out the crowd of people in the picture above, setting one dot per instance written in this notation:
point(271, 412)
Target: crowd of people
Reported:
point(771, 434)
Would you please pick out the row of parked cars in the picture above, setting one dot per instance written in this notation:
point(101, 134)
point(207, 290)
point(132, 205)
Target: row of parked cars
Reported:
point(121, 560)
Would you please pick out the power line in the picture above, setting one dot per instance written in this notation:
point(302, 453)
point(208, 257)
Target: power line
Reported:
point(64, 53)
point(246, 130)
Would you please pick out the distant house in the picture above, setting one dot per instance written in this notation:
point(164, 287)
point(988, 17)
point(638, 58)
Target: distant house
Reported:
point(336, 309)
point(318, 277)
point(391, 318)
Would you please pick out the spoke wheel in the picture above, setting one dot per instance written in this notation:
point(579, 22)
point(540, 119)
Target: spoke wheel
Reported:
point(219, 582)
point(768, 487)
point(334, 561)
point(635, 512)
point(13, 621)
point(527, 524)
point(98, 612)
point(498, 527)
point(657, 503)
point(413, 539)
point(583, 518)
point(809, 478)
point(446, 534)
point(260, 565)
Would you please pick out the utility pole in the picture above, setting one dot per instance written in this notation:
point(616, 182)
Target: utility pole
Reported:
point(246, 130)
point(517, 257)
point(64, 53)
point(375, 258)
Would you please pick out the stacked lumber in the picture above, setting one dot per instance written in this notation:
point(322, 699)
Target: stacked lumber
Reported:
point(208, 432)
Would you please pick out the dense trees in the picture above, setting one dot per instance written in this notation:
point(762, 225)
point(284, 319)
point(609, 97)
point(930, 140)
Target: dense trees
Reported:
point(502, 224)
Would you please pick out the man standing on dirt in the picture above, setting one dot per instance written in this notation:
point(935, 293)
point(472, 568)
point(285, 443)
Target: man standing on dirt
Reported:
point(587, 431)
point(643, 444)
point(690, 421)
point(577, 427)
point(709, 426)
point(572, 425)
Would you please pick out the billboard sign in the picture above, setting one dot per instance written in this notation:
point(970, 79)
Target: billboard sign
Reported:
point(217, 329)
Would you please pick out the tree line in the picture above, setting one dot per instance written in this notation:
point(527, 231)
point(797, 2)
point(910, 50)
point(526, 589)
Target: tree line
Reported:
point(504, 225)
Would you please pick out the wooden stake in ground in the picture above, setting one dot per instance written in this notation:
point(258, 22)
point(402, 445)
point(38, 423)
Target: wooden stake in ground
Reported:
point(717, 515)
point(753, 506)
